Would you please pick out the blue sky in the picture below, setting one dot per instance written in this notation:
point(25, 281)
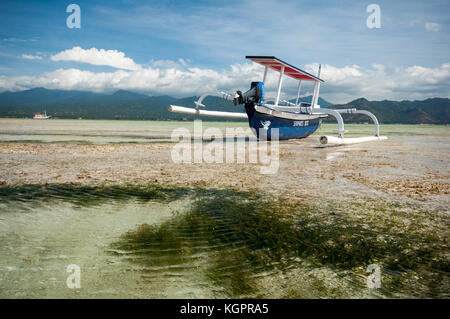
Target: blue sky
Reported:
point(171, 43)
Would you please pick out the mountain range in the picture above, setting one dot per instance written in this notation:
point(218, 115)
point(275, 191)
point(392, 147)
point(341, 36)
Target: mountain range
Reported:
point(429, 111)
point(135, 106)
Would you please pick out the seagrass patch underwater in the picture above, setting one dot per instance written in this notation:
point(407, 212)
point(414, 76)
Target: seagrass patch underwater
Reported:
point(163, 241)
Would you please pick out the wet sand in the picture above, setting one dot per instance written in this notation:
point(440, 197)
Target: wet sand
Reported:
point(407, 168)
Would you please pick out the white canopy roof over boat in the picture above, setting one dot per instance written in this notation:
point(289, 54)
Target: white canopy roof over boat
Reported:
point(289, 70)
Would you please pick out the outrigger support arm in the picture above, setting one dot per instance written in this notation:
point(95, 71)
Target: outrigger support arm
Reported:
point(223, 95)
point(199, 103)
point(338, 117)
point(371, 115)
point(191, 111)
point(340, 139)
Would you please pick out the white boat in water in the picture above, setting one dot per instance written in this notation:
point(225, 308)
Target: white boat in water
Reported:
point(40, 116)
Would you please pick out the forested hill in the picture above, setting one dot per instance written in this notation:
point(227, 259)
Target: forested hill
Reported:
point(429, 111)
point(129, 105)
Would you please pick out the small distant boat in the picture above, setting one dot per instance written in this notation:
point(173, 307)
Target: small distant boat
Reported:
point(40, 116)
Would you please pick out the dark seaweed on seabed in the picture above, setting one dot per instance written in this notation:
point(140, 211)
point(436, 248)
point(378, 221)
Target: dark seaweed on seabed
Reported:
point(247, 234)
point(83, 195)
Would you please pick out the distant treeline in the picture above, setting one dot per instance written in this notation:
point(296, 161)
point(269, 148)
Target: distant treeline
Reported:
point(134, 106)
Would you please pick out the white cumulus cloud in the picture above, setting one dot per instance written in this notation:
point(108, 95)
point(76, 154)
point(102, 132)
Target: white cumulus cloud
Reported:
point(31, 57)
point(113, 58)
point(431, 26)
point(376, 83)
point(342, 84)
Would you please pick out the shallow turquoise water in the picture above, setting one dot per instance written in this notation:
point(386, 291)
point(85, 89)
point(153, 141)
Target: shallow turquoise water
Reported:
point(141, 132)
point(98, 131)
point(130, 243)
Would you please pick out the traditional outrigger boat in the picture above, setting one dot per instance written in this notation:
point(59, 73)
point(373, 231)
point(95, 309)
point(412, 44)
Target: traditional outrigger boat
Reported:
point(293, 120)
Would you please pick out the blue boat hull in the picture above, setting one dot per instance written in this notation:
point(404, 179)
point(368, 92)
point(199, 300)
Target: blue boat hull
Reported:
point(287, 128)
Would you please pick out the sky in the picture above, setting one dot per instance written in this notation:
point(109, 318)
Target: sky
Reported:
point(185, 48)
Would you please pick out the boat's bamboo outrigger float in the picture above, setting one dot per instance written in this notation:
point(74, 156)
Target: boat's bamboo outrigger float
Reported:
point(293, 120)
